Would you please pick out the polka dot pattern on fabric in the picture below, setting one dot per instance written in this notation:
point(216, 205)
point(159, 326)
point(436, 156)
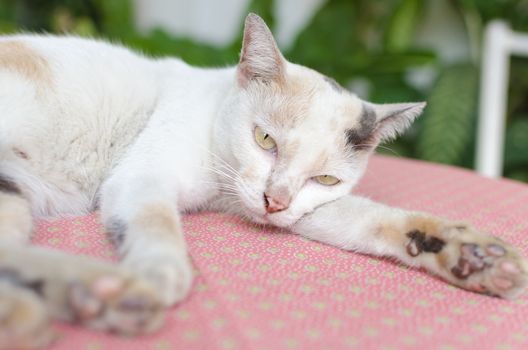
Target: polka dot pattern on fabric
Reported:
point(265, 289)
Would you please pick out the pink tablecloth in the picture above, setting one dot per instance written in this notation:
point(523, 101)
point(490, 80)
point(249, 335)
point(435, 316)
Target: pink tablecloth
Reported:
point(260, 289)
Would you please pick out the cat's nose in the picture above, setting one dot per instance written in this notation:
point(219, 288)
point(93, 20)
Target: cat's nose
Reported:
point(274, 205)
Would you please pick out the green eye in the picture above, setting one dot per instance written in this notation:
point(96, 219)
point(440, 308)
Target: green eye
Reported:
point(264, 140)
point(327, 180)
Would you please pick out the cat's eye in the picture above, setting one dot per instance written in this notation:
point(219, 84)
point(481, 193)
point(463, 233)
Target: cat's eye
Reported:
point(327, 180)
point(264, 140)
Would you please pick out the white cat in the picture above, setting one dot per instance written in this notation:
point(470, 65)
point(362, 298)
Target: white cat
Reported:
point(86, 124)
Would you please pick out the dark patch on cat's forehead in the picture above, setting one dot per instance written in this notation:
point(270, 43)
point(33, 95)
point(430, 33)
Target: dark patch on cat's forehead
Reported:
point(334, 84)
point(358, 137)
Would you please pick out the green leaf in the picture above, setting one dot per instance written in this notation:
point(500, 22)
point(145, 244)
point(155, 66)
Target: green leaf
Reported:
point(7, 27)
point(516, 143)
point(330, 43)
point(449, 120)
point(117, 18)
point(159, 43)
point(400, 31)
point(84, 27)
point(388, 88)
point(518, 174)
point(390, 63)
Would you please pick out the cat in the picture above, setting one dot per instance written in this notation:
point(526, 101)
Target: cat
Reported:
point(87, 125)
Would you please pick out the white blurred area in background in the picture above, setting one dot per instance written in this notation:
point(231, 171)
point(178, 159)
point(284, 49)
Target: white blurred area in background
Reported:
point(218, 22)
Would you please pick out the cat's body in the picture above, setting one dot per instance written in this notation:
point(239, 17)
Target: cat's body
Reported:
point(86, 102)
point(86, 124)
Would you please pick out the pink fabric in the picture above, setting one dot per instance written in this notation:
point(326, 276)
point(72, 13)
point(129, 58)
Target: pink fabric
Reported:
point(262, 289)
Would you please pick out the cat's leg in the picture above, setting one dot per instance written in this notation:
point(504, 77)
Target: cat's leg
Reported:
point(24, 319)
point(38, 284)
point(142, 219)
point(16, 223)
point(76, 289)
point(455, 251)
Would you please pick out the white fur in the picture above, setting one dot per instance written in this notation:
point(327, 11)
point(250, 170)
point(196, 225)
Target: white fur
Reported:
point(115, 129)
point(116, 115)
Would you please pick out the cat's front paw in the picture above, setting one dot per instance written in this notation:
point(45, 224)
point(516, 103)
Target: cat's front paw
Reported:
point(484, 264)
point(170, 274)
point(24, 320)
point(115, 302)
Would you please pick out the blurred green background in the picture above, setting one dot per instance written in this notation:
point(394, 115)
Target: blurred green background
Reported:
point(367, 45)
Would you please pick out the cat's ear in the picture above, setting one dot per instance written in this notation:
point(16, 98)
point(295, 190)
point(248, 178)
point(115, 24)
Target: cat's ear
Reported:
point(394, 118)
point(260, 58)
point(382, 122)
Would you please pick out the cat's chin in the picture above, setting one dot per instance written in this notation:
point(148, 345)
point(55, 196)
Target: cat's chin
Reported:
point(259, 219)
point(267, 219)
point(276, 220)
point(254, 216)
point(280, 222)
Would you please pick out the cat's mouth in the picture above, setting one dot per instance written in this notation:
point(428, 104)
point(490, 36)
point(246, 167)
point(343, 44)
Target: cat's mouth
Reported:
point(255, 207)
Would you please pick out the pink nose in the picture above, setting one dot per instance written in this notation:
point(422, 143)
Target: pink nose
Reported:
point(273, 205)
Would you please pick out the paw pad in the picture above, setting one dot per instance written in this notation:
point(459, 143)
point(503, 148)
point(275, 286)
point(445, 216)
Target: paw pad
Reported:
point(115, 303)
point(489, 268)
point(502, 283)
point(83, 301)
point(495, 250)
point(474, 258)
point(510, 267)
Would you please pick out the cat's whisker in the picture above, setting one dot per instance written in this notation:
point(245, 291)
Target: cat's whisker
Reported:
point(226, 166)
point(230, 174)
point(237, 180)
point(223, 163)
point(377, 146)
point(219, 184)
point(229, 191)
point(390, 150)
point(221, 173)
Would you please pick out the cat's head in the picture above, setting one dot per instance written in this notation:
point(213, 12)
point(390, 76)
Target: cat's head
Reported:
point(295, 137)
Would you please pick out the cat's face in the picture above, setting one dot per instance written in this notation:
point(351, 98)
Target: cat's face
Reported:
point(294, 137)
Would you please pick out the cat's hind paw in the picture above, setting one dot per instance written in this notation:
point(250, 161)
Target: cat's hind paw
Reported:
point(170, 274)
point(127, 306)
point(24, 320)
